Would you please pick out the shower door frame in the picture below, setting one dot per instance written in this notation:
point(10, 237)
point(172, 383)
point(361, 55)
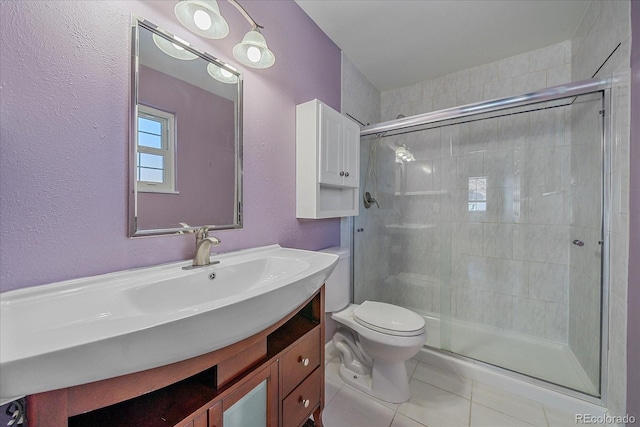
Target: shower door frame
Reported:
point(583, 87)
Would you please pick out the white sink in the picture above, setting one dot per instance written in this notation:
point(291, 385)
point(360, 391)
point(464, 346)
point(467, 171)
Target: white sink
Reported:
point(89, 329)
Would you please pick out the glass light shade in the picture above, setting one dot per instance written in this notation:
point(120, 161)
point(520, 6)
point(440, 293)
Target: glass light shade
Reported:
point(202, 17)
point(173, 49)
point(221, 74)
point(253, 51)
point(403, 154)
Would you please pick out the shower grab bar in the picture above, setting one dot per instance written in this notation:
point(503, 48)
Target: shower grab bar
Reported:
point(549, 94)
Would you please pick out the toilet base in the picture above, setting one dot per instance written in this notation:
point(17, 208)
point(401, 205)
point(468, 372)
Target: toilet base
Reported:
point(388, 381)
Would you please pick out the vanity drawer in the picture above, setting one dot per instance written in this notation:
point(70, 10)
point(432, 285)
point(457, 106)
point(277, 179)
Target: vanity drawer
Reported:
point(300, 361)
point(297, 407)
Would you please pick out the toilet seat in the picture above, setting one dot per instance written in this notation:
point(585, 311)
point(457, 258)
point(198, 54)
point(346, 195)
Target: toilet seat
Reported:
point(389, 319)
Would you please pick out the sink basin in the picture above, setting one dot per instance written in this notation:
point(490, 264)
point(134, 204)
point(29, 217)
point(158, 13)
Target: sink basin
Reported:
point(230, 279)
point(90, 329)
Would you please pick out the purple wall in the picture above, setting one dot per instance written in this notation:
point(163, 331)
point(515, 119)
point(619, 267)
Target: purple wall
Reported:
point(206, 154)
point(633, 310)
point(64, 74)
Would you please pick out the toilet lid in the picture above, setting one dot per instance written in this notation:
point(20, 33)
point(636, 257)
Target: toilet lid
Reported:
point(389, 319)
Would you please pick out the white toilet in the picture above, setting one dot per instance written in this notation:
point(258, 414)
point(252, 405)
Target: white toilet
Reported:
point(374, 339)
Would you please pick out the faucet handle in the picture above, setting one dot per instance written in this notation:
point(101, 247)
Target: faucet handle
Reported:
point(202, 233)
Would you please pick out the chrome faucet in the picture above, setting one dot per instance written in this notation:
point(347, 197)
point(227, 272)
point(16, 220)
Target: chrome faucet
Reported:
point(204, 242)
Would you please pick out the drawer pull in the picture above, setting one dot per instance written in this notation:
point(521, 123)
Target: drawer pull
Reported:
point(305, 402)
point(304, 361)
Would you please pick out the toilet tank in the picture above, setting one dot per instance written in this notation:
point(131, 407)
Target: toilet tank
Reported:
point(337, 290)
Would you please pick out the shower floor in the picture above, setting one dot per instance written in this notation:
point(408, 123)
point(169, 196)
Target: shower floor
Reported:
point(535, 357)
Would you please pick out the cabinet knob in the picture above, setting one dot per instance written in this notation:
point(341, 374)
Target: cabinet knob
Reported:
point(346, 174)
point(305, 402)
point(341, 173)
point(304, 361)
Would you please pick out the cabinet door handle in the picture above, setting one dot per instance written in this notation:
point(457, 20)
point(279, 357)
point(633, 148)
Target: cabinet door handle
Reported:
point(346, 174)
point(341, 173)
point(304, 361)
point(305, 402)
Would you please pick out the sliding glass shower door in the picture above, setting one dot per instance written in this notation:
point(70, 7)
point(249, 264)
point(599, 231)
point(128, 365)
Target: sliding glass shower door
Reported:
point(490, 226)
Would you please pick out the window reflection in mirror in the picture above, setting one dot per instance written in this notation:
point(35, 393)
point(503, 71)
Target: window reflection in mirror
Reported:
point(186, 139)
point(155, 152)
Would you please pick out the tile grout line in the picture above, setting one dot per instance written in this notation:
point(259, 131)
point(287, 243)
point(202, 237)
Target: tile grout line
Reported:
point(473, 382)
point(546, 417)
point(394, 417)
point(509, 415)
point(443, 389)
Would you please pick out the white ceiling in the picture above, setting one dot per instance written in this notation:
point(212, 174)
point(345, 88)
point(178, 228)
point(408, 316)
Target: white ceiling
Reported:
point(400, 42)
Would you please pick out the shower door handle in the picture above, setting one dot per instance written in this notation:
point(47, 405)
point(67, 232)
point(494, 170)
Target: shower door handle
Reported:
point(578, 242)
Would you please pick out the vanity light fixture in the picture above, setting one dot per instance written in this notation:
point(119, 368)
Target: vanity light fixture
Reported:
point(253, 50)
point(174, 50)
point(222, 74)
point(203, 18)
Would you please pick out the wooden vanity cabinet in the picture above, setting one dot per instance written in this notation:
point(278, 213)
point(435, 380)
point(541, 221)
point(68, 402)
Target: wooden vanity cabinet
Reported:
point(287, 357)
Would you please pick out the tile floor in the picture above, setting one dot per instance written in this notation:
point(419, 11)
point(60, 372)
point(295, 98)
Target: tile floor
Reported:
point(439, 399)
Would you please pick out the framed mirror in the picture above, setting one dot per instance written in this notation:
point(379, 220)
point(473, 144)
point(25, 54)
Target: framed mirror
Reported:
point(185, 144)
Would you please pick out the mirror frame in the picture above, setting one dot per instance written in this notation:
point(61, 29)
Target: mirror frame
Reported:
point(133, 231)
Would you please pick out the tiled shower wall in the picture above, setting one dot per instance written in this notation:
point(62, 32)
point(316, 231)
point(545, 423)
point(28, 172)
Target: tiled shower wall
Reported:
point(516, 75)
point(606, 30)
point(511, 257)
point(604, 26)
point(361, 101)
point(505, 260)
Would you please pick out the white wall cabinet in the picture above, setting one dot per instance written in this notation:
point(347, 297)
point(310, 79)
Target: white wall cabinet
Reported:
point(327, 162)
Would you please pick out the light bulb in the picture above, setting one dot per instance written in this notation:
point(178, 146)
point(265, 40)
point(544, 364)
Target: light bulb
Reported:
point(253, 53)
point(202, 19)
point(222, 74)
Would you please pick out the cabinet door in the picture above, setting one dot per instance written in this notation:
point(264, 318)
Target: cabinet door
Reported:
point(253, 403)
point(331, 169)
point(201, 420)
point(250, 410)
point(351, 153)
point(215, 415)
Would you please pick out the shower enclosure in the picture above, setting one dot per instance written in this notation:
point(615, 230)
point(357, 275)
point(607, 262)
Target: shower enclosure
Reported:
point(489, 223)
